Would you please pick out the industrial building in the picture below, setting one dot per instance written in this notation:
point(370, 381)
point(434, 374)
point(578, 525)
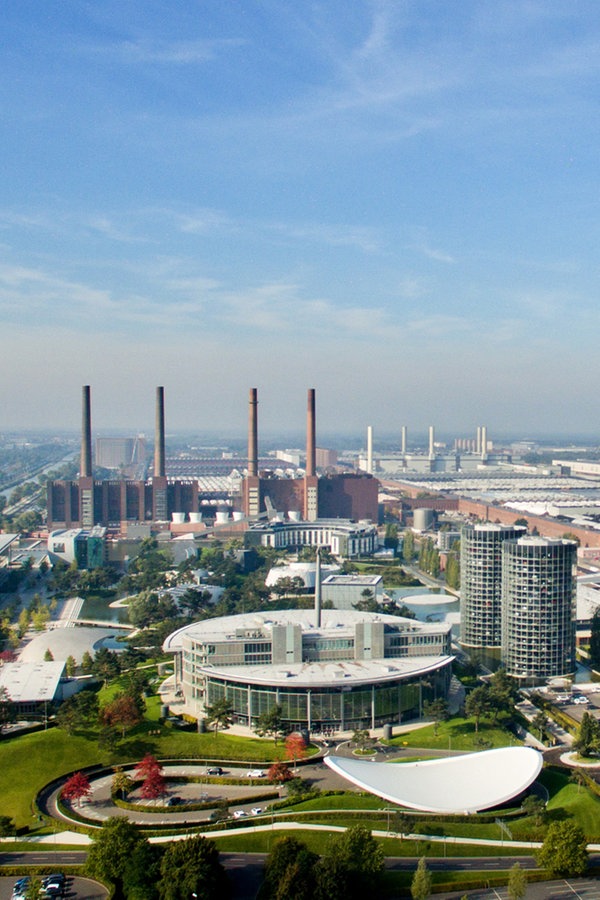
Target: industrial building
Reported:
point(538, 607)
point(327, 669)
point(114, 503)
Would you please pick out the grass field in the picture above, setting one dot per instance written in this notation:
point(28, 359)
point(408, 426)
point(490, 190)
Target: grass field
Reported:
point(456, 734)
point(28, 762)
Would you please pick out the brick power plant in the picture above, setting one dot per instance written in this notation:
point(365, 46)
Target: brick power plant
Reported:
point(115, 503)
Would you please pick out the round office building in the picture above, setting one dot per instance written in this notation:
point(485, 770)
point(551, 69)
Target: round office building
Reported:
point(336, 670)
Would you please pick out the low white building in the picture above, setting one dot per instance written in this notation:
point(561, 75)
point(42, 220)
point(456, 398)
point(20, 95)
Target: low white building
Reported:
point(345, 591)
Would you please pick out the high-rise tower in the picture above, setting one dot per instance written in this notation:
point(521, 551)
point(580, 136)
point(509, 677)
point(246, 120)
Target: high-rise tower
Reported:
point(538, 615)
point(481, 582)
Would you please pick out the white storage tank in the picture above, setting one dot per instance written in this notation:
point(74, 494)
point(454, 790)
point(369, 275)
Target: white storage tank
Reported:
point(423, 519)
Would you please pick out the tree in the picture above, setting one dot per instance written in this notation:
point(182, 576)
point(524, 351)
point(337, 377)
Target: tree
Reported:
point(78, 711)
point(452, 571)
point(478, 704)
point(408, 546)
point(578, 776)
point(147, 766)
point(191, 868)
point(220, 714)
point(535, 807)
point(35, 889)
point(587, 740)
point(154, 786)
point(8, 712)
point(290, 871)
point(87, 662)
point(517, 883)
point(270, 723)
point(106, 664)
point(295, 747)
point(279, 773)
point(436, 710)
point(114, 847)
point(564, 851)
point(420, 887)
point(70, 666)
point(48, 655)
point(350, 867)
point(122, 712)
point(362, 738)
point(76, 788)
point(122, 783)
point(539, 721)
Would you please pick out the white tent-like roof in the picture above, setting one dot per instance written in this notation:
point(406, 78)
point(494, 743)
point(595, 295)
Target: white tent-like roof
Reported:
point(455, 784)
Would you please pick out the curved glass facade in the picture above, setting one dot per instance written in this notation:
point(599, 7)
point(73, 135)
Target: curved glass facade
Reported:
point(338, 708)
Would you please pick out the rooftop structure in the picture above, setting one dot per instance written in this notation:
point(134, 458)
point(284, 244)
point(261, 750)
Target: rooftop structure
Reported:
point(457, 784)
point(335, 669)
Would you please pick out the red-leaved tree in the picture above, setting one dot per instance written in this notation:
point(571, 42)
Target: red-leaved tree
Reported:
point(76, 787)
point(153, 786)
point(279, 773)
point(147, 766)
point(122, 712)
point(295, 746)
point(149, 771)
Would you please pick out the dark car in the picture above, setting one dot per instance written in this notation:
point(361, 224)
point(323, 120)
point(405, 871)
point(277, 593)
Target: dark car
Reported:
point(174, 801)
point(214, 770)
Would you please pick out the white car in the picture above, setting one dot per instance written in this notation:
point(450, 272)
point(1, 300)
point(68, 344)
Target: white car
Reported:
point(255, 773)
point(239, 813)
point(580, 700)
point(256, 810)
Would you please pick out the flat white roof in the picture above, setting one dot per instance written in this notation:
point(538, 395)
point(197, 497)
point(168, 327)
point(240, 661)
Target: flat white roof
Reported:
point(31, 682)
point(348, 673)
point(455, 784)
point(334, 623)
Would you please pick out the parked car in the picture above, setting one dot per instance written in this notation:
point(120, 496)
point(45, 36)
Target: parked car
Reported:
point(239, 813)
point(174, 801)
point(214, 770)
point(256, 810)
point(255, 773)
point(20, 888)
point(580, 699)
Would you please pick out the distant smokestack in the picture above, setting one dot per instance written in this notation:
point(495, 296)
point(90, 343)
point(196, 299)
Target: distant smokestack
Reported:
point(478, 449)
point(318, 589)
point(370, 449)
point(253, 433)
point(311, 447)
point(85, 466)
point(431, 442)
point(484, 442)
point(403, 439)
point(159, 435)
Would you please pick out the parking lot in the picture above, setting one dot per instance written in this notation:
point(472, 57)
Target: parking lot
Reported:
point(76, 889)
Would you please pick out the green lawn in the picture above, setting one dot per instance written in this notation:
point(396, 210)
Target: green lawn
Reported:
point(28, 762)
point(314, 840)
point(456, 734)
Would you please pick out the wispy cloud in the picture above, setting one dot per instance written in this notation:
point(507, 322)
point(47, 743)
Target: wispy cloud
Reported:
point(174, 52)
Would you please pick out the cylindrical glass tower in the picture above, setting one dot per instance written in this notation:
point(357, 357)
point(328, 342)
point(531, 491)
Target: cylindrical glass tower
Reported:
point(538, 615)
point(481, 582)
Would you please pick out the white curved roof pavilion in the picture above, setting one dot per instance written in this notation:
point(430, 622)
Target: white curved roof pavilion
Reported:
point(455, 784)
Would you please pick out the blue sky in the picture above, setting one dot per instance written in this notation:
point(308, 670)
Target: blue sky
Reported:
point(396, 203)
